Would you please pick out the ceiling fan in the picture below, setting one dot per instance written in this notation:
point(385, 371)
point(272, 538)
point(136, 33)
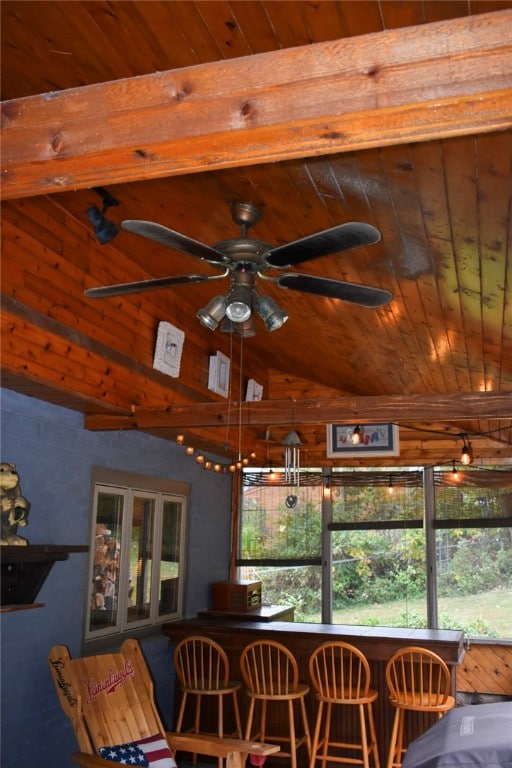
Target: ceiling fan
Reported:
point(245, 258)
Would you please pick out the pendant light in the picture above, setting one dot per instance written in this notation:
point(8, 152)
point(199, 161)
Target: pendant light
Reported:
point(467, 452)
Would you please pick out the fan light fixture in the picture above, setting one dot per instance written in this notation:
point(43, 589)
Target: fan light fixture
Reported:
point(239, 304)
point(270, 312)
point(104, 229)
point(211, 315)
point(245, 329)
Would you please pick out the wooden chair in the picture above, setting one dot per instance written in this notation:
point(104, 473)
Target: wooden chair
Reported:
point(109, 700)
point(271, 676)
point(202, 668)
point(340, 675)
point(418, 680)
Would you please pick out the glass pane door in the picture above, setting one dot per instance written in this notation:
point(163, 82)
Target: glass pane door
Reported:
point(141, 559)
point(170, 557)
point(107, 533)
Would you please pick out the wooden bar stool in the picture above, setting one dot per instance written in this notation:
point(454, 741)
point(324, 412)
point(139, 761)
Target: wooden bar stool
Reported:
point(271, 675)
point(340, 674)
point(202, 668)
point(418, 680)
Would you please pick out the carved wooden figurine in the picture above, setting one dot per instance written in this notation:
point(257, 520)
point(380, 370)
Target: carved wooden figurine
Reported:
point(14, 506)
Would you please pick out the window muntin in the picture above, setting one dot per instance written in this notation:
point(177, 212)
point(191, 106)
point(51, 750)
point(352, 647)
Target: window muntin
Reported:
point(130, 587)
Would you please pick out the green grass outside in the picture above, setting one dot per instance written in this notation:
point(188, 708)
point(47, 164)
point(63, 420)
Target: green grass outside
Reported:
point(494, 608)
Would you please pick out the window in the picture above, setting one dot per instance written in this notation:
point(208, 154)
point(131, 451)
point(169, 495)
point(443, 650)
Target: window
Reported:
point(281, 540)
point(137, 545)
point(473, 539)
point(378, 548)
point(406, 547)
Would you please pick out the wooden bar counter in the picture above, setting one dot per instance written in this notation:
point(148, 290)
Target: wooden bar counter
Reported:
point(377, 643)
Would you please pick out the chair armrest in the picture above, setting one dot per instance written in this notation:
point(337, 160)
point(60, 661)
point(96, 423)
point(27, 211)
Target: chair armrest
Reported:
point(235, 751)
point(91, 761)
point(217, 746)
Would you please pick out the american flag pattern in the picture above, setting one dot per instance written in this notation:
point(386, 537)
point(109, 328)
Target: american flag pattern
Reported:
point(152, 752)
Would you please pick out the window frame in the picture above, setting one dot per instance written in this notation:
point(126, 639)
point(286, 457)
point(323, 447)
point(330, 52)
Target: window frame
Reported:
point(158, 491)
point(426, 478)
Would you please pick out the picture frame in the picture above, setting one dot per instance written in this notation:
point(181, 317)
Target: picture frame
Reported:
point(168, 349)
point(378, 439)
point(254, 391)
point(218, 374)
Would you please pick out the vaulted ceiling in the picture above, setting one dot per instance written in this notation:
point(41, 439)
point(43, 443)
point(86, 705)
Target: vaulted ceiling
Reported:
point(396, 114)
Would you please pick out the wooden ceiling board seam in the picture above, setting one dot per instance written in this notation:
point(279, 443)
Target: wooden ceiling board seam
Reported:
point(323, 174)
point(428, 293)
point(84, 31)
point(314, 214)
point(368, 17)
point(403, 14)
point(187, 17)
point(415, 345)
point(255, 26)
point(483, 6)
point(448, 281)
point(493, 187)
point(440, 10)
point(125, 50)
point(29, 254)
point(267, 180)
point(288, 22)
point(140, 50)
point(324, 26)
point(374, 167)
point(460, 167)
point(18, 212)
point(26, 30)
point(219, 19)
point(427, 161)
point(355, 194)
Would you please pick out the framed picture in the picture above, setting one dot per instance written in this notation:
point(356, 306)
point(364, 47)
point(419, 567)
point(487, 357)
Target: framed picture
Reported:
point(376, 440)
point(218, 374)
point(254, 391)
point(168, 349)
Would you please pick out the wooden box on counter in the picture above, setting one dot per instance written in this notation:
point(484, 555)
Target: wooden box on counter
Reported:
point(236, 595)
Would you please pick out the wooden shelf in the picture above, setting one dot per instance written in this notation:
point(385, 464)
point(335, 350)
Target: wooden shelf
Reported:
point(24, 571)
point(23, 607)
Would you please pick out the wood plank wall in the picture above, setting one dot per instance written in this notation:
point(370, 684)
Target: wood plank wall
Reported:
point(487, 669)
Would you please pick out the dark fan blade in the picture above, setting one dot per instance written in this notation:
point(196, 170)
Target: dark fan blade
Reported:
point(173, 239)
point(333, 240)
point(144, 285)
point(335, 289)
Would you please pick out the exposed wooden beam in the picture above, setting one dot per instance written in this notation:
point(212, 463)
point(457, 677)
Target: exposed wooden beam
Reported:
point(412, 84)
point(377, 408)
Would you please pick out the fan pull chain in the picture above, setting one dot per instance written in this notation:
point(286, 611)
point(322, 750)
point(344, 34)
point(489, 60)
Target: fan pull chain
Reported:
point(240, 401)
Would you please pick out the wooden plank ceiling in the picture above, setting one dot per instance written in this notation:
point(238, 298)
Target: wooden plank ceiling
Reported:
point(393, 113)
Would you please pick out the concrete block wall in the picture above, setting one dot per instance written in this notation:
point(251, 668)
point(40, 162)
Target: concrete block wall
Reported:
point(54, 455)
